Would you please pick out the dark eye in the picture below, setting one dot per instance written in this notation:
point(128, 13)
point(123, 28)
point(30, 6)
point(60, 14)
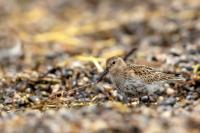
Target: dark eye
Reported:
point(113, 62)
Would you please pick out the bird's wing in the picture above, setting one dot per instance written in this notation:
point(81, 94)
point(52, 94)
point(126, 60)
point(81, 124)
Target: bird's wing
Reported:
point(148, 74)
point(134, 66)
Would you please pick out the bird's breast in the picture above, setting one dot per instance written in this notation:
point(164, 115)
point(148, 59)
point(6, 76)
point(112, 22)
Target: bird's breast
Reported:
point(124, 80)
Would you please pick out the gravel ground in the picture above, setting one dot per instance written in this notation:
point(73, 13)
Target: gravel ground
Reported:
point(51, 51)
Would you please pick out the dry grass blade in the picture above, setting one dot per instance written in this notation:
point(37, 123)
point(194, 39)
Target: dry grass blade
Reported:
point(130, 53)
point(82, 87)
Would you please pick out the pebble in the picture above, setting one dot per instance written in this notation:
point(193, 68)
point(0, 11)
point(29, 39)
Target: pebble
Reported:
point(67, 73)
point(28, 90)
point(33, 113)
point(8, 100)
point(144, 99)
point(21, 86)
point(99, 125)
point(186, 67)
point(170, 91)
point(169, 101)
point(166, 114)
point(198, 89)
point(55, 88)
point(34, 99)
point(66, 114)
point(192, 96)
point(153, 98)
point(175, 51)
point(21, 102)
point(10, 92)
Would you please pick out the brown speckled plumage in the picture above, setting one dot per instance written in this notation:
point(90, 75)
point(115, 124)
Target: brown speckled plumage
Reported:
point(148, 75)
point(128, 78)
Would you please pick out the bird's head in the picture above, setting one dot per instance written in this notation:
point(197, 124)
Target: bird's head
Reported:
point(114, 62)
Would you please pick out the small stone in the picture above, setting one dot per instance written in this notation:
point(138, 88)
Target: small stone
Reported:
point(21, 102)
point(34, 99)
point(169, 101)
point(186, 66)
point(99, 125)
point(192, 97)
point(166, 114)
point(42, 87)
point(191, 89)
point(55, 88)
point(175, 52)
point(8, 100)
point(144, 99)
point(67, 73)
point(170, 60)
point(66, 114)
point(44, 93)
point(10, 92)
point(21, 86)
point(33, 113)
point(71, 92)
point(153, 98)
point(28, 90)
point(170, 91)
point(198, 89)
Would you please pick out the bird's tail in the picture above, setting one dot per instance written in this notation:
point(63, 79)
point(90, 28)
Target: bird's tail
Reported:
point(176, 79)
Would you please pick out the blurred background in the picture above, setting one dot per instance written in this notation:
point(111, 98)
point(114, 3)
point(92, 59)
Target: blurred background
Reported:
point(49, 48)
point(36, 34)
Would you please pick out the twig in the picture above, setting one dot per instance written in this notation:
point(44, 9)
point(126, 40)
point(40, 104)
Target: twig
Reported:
point(102, 75)
point(130, 53)
point(83, 86)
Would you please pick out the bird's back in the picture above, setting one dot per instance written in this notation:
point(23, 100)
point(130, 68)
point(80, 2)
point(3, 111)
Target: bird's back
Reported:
point(150, 75)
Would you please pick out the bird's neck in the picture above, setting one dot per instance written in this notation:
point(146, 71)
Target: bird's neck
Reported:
point(115, 70)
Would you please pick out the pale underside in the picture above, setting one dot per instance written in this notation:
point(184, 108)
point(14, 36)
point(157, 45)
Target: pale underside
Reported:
point(135, 86)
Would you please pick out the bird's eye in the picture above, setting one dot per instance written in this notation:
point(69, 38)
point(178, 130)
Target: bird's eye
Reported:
point(113, 62)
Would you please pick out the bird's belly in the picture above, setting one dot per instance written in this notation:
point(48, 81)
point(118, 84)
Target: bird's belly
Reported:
point(118, 82)
point(127, 84)
point(133, 85)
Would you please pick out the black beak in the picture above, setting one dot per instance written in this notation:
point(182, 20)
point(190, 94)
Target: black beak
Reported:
point(102, 75)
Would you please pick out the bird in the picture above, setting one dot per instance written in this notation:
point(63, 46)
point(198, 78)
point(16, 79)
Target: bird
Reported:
point(132, 79)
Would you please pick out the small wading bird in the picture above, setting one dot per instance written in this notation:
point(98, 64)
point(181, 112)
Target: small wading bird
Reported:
point(131, 79)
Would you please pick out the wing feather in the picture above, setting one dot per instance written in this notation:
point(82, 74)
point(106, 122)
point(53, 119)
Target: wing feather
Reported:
point(148, 74)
